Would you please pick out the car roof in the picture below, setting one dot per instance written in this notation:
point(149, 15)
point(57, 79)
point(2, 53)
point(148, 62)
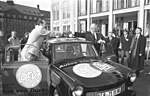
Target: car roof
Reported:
point(67, 40)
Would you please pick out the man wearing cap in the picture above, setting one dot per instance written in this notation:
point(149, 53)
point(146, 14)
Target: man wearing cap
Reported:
point(31, 50)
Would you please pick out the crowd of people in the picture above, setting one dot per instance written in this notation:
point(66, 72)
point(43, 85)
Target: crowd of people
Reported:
point(132, 46)
point(28, 53)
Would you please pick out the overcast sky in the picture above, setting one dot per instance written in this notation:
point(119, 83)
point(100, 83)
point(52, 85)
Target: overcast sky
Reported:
point(44, 4)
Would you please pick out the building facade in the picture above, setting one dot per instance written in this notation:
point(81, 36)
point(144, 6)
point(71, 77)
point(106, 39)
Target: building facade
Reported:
point(63, 15)
point(19, 18)
point(108, 14)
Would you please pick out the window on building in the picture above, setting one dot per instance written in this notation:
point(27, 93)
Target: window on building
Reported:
point(120, 4)
point(25, 17)
point(83, 25)
point(147, 1)
point(66, 9)
point(34, 13)
point(56, 28)
point(68, 27)
point(30, 18)
point(99, 6)
point(29, 12)
point(38, 14)
point(147, 33)
point(82, 7)
point(14, 16)
point(25, 12)
point(64, 28)
point(35, 18)
point(55, 11)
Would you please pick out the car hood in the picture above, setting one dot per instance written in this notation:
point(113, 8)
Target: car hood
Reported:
point(93, 74)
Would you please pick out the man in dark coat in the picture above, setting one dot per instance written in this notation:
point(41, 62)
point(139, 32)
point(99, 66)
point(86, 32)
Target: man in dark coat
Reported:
point(125, 46)
point(137, 51)
point(95, 37)
point(114, 41)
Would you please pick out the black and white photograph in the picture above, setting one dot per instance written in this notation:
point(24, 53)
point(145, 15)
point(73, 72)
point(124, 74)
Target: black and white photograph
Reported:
point(74, 47)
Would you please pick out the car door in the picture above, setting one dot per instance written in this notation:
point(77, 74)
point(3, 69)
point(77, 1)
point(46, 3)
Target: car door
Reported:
point(24, 77)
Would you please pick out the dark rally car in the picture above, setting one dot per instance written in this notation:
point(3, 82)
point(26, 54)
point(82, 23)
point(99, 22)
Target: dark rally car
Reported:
point(77, 70)
point(69, 67)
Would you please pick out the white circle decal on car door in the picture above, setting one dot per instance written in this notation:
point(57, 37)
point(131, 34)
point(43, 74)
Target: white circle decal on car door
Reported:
point(29, 75)
point(85, 70)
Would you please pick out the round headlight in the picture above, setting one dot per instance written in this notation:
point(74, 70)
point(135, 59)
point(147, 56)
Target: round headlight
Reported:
point(132, 77)
point(78, 91)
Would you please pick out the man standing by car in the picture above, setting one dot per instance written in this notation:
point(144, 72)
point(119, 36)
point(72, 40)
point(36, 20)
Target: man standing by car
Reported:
point(137, 51)
point(95, 37)
point(125, 47)
point(31, 52)
point(14, 41)
point(114, 41)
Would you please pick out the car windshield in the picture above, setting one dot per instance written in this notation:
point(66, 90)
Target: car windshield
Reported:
point(67, 51)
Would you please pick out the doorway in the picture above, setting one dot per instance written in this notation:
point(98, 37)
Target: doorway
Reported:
point(132, 25)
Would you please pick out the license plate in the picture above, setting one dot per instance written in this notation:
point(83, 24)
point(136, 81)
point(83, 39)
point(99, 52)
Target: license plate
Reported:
point(110, 93)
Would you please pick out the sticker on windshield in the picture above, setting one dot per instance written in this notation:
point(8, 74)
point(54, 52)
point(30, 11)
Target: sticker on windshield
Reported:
point(29, 75)
point(86, 71)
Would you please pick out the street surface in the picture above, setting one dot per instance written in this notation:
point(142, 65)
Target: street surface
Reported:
point(141, 86)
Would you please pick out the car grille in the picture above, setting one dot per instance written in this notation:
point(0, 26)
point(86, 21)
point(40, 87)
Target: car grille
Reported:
point(109, 92)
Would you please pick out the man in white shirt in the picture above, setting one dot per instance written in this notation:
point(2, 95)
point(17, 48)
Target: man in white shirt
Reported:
point(31, 51)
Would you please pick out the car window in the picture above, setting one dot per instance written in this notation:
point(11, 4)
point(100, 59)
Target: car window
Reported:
point(13, 53)
point(73, 50)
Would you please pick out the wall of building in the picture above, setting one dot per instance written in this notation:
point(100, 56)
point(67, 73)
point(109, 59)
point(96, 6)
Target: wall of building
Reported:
point(63, 15)
point(20, 20)
point(108, 14)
